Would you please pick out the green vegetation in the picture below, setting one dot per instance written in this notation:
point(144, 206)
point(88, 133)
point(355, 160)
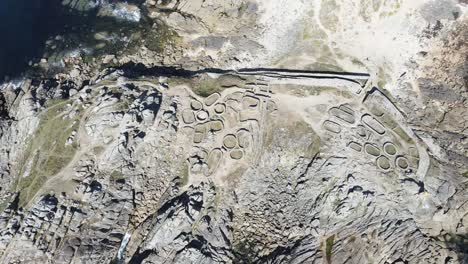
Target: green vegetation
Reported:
point(402, 134)
point(174, 81)
point(329, 248)
point(46, 153)
point(306, 34)
point(388, 121)
point(376, 110)
point(465, 174)
point(157, 39)
point(206, 86)
point(108, 36)
point(184, 174)
point(383, 78)
point(117, 175)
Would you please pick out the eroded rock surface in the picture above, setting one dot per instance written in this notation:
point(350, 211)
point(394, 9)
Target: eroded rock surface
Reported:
point(280, 134)
point(261, 166)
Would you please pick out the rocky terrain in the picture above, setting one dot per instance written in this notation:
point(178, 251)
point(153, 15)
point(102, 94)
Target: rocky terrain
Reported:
point(254, 131)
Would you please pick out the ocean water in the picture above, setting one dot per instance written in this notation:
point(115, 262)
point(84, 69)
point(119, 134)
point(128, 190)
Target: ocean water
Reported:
point(26, 26)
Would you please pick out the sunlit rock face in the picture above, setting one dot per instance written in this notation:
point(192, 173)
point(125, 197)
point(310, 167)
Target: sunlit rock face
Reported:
point(240, 132)
point(117, 9)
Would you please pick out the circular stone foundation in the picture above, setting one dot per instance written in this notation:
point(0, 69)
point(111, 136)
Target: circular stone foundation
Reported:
point(196, 105)
point(202, 115)
point(372, 149)
point(230, 141)
point(219, 108)
point(188, 117)
point(361, 131)
point(236, 154)
point(216, 125)
point(243, 137)
point(402, 163)
point(390, 148)
point(210, 100)
point(383, 163)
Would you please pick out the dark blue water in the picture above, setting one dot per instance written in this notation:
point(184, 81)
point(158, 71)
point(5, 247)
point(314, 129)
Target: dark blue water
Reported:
point(26, 25)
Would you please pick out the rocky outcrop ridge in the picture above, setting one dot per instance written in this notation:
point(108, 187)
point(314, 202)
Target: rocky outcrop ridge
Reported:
point(222, 166)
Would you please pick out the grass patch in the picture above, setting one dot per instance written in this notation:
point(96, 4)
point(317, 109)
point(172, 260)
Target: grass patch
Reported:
point(376, 110)
point(157, 39)
point(46, 153)
point(175, 81)
point(465, 174)
point(206, 86)
point(388, 121)
point(306, 34)
point(383, 78)
point(329, 248)
point(402, 134)
point(184, 176)
point(117, 175)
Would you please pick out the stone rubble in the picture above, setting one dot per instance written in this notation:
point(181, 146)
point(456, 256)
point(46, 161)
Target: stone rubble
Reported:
point(174, 156)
